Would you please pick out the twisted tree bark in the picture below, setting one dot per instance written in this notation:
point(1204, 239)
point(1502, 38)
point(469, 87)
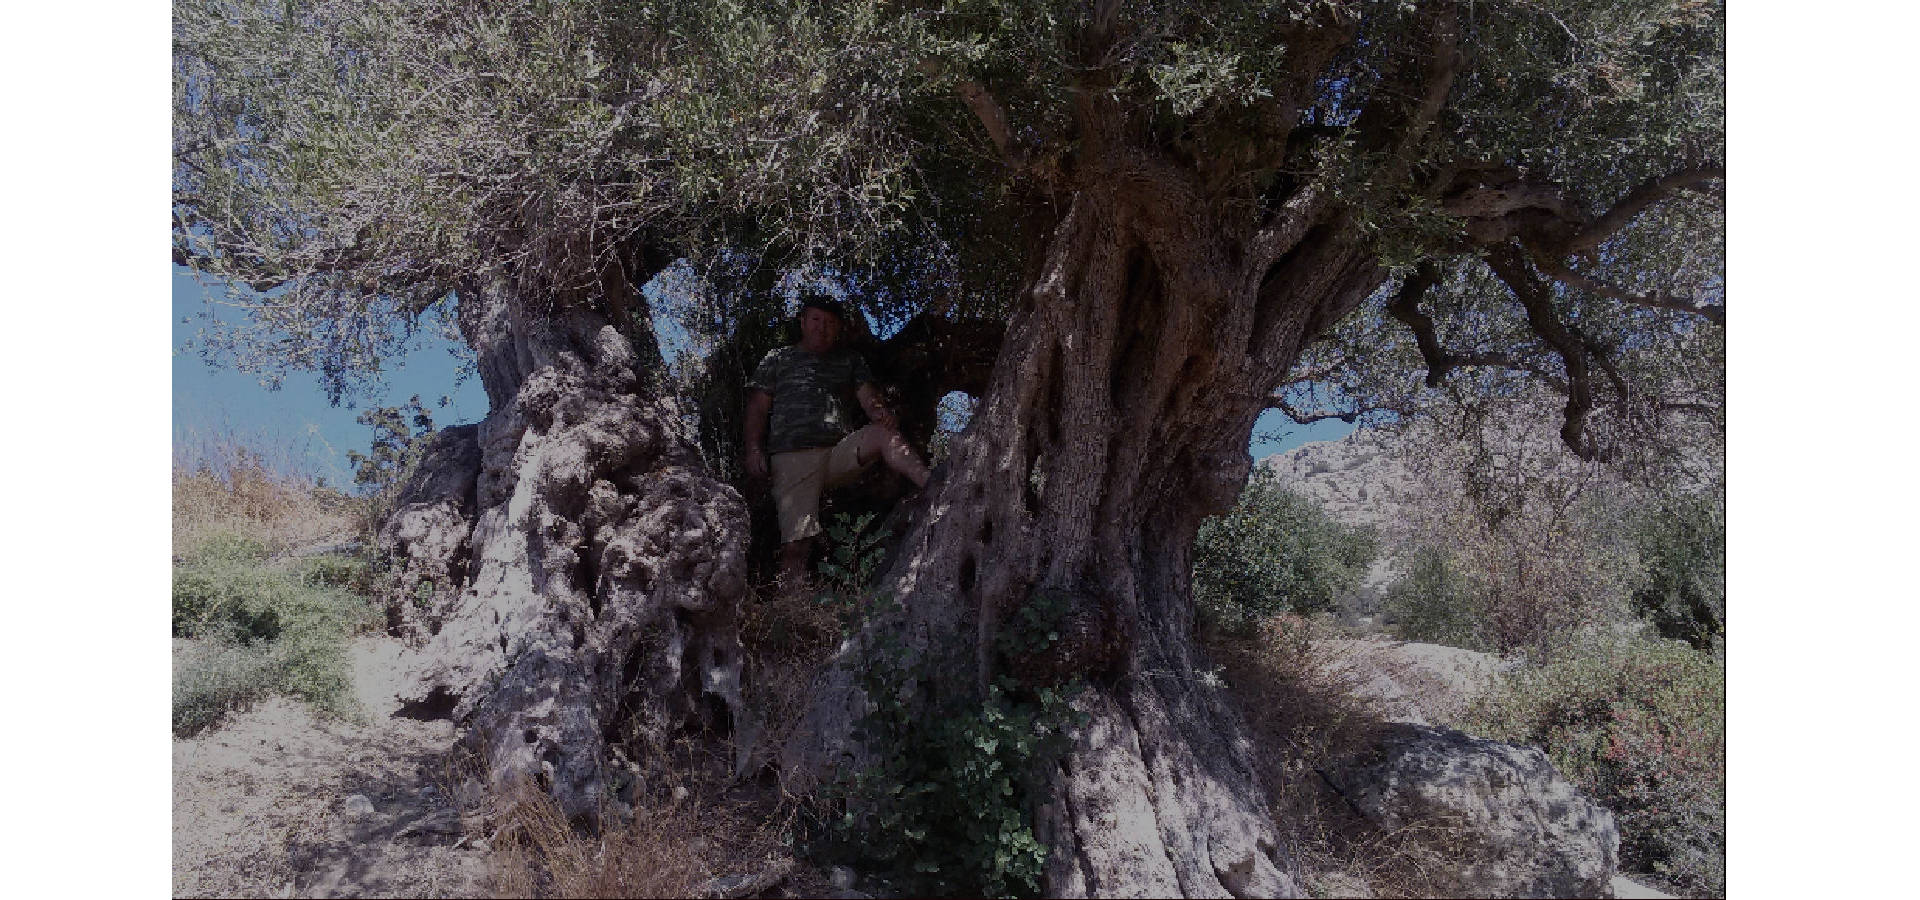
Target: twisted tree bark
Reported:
point(604, 569)
point(1118, 416)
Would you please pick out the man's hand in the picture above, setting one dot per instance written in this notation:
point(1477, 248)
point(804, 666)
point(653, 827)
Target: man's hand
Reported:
point(756, 462)
point(877, 411)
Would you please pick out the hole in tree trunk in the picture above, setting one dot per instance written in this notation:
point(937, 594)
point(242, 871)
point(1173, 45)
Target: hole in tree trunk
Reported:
point(966, 574)
point(586, 576)
point(717, 717)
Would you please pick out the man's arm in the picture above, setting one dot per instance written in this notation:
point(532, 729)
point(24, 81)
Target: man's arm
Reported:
point(876, 408)
point(759, 404)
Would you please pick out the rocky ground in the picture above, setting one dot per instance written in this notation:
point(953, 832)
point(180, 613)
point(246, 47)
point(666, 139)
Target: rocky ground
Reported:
point(1426, 684)
point(279, 803)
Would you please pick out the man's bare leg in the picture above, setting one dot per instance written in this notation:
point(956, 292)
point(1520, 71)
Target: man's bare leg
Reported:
point(892, 448)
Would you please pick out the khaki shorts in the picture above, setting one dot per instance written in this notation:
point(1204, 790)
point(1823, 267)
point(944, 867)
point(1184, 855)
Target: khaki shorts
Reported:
point(801, 476)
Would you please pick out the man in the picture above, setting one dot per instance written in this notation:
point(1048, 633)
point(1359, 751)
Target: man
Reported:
point(812, 446)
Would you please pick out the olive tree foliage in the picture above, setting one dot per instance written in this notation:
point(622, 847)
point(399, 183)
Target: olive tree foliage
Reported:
point(361, 162)
point(1539, 176)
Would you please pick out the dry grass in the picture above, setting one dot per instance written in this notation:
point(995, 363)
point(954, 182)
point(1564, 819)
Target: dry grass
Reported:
point(1307, 713)
point(537, 853)
point(690, 829)
point(221, 486)
point(787, 640)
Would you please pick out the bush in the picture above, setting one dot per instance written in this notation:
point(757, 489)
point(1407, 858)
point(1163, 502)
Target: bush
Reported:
point(1436, 603)
point(217, 679)
point(263, 630)
point(1640, 724)
point(1274, 552)
point(943, 810)
point(223, 591)
point(1683, 549)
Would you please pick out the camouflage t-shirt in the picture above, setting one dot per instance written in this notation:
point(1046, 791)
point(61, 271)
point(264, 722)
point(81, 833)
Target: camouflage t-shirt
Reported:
point(812, 396)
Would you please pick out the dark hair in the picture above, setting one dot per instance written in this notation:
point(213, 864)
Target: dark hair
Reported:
point(824, 304)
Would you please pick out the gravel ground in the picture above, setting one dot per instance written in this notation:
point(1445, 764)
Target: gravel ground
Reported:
point(279, 803)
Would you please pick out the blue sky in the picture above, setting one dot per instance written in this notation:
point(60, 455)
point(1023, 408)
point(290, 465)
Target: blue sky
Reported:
point(296, 429)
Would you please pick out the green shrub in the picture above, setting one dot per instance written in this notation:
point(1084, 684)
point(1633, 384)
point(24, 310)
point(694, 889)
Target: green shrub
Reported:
point(353, 573)
point(1274, 552)
point(262, 630)
point(855, 547)
point(230, 599)
point(229, 547)
point(1436, 603)
point(1683, 549)
point(943, 809)
point(216, 679)
point(1640, 724)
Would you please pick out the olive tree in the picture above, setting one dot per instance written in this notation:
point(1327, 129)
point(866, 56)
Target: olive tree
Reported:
point(1173, 207)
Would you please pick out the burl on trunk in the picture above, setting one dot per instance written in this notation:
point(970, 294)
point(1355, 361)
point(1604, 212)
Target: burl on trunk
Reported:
point(597, 584)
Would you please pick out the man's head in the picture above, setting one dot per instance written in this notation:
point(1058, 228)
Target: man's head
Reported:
point(821, 322)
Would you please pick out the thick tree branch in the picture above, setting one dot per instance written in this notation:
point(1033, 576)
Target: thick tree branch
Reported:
point(1301, 417)
point(1406, 308)
point(1443, 64)
point(1637, 201)
point(1500, 204)
point(1502, 193)
point(994, 119)
point(1715, 313)
point(1397, 116)
point(1440, 361)
point(1511, 266)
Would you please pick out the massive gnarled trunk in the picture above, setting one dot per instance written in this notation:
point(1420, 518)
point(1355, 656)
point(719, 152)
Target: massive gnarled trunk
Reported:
point(599, 587)
point(1118, 417)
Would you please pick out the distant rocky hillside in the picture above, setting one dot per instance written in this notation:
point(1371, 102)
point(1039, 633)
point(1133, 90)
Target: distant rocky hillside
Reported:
point(1354, 479)
point(1358, 482)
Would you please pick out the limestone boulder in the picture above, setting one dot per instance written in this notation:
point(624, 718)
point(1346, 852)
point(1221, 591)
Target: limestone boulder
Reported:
point(1512, 823)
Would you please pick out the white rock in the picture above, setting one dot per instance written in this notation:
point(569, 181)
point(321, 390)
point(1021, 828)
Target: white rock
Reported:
point(357, 807)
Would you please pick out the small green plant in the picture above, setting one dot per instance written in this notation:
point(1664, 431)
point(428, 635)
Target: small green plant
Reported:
point(212, 681)
point(1274, 552)
point(262, 629)
point(400, 438)
point(1436, 603)
point(223, 591)
point(1640, 723)
point(944, 810)
point(855, 548)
